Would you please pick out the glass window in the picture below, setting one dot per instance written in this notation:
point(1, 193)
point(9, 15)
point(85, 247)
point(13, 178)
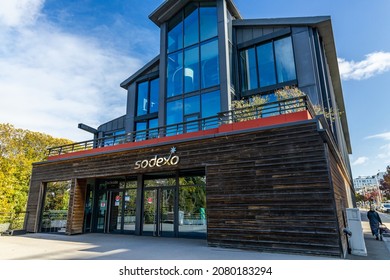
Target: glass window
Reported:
point(191, 69)
point(153, 133)
point(175, 74)
point(192, 105)
point(174, 116)
point(175, 112)
point(248, 69)
point(209, 64)
point(275, 64)
point(191, 25)
point(140, 127)
point(175, 33)
point(208, 21)
point(266, 62)
point(210, 104)
point(142, 100)
point(154, 94)
point(284, 55)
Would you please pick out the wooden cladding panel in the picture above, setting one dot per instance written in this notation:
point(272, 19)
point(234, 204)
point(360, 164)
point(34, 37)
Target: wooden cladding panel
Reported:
point(76, 206)
point(340, 197)
point(266, 190)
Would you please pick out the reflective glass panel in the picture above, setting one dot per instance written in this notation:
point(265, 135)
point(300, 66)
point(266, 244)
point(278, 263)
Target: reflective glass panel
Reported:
point(192, 105)
point(175, 74)
point(175, 33)
point(266, 63)
point(285, 64)
point(140, 127)
point(154, 93)
point(153, 133)
point(142, 100)
point(174, 116)
point(174, 112)
point(248, 69)
point(191, 69)
point(210, 104)
point(209, 64)
point(208, 21)
point(191, 25)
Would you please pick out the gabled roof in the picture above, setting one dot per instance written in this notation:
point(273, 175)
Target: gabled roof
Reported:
point(137, 74)
point(170, 7)
point(324, 26)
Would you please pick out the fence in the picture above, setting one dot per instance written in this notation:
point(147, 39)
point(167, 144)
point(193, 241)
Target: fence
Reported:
point(281, 107)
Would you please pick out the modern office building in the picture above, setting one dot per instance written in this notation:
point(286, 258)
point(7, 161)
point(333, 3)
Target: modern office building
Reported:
point(185, 161)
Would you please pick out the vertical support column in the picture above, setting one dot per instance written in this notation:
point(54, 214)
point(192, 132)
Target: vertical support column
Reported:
point(34, 206)
point(75, 220)
point(176, 207)
point(139, 202)
point(162, 74)
point(223, 50)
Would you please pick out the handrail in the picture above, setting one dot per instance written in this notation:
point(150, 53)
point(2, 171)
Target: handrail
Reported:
point(280, 107)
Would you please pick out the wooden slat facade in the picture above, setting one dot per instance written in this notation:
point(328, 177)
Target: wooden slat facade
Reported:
point(276, 189)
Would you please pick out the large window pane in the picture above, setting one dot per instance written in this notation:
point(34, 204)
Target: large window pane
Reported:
point(174, 116)
point(175, 33)
point(142, 99)
point(191, 69)
point(175, 74)
point(210, 104)
point(266, 63)
point(191, 25)
point(154, 94)
point(248, 69)
point(153, 133)
point(285, 64)
point(192, 105)
point(140, 127)
point(208, 21)
point(209, 64)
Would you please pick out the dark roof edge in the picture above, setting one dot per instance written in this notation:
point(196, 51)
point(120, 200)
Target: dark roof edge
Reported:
point(170, 7)
point(281, 21)
point(133, 77)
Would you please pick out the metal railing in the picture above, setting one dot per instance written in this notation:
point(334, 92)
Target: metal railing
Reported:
point(54, 221)
point(286, 106)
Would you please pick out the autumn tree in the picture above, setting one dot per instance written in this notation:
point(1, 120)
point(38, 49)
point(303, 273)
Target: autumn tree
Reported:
point(18, 150)
point(385, 184)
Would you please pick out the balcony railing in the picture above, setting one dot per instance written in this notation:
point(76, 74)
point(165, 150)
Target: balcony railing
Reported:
point(286, 106)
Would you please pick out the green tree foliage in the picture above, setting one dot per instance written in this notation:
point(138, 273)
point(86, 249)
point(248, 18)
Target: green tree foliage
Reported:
point(18, 150)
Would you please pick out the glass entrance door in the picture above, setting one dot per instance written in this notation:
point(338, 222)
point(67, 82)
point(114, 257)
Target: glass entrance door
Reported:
point(159, 212)
point(116, 211)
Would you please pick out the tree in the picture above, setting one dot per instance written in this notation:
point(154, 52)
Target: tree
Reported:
point(18, 150)
point(385, 184)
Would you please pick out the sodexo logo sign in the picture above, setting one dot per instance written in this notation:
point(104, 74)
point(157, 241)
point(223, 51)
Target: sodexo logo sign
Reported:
point(157, 161)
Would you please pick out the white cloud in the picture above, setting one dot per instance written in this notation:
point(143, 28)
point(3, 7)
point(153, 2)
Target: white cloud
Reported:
point(384, 136)
point(385, 153)
point(374, 64)
point(14, 13)
point(51, 80)
point(360, 161)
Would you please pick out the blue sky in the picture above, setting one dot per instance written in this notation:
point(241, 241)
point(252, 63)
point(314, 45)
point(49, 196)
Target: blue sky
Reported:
point(61, 63)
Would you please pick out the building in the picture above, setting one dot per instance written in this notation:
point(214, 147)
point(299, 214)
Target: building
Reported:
point(184, 162)
point(368, 181)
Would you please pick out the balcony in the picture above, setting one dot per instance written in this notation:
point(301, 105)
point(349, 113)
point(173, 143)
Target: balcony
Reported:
point(269, 114)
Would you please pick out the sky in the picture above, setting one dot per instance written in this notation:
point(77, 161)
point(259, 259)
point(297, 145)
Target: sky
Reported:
point(62, 61)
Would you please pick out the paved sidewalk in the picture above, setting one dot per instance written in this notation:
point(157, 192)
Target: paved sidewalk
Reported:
point(92, 246)
point(376, 250)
